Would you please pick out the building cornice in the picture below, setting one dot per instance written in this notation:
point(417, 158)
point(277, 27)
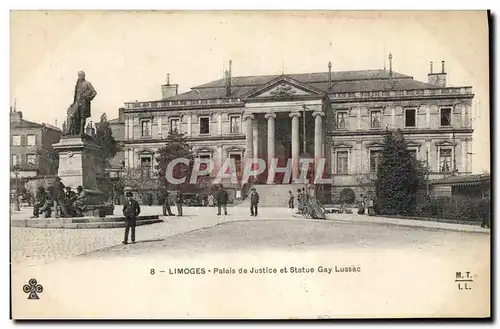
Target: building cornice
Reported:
point(422, 131)
point(188, 139)
point(400, 98)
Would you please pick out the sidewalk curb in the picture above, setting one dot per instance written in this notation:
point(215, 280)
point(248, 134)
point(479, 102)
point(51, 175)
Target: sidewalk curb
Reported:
point(415, 223)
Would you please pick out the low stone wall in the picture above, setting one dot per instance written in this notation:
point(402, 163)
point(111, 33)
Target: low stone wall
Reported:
point(83, 222)
point(431, 219)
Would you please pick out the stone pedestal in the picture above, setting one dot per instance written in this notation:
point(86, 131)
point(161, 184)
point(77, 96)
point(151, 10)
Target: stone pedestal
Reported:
point(78, 161)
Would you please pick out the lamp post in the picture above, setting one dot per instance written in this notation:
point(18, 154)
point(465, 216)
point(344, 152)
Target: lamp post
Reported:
point(16, 202)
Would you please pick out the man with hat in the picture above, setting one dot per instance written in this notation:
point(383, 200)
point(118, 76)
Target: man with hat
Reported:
point(81, 201)
point(166, 204)
point(179, 200)
point(131, 210)
point(58, 197)
point(41, 200)
point(222, 199)
point(254, 201)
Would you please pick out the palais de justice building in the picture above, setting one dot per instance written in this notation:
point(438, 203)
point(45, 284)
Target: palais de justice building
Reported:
point(343, 114)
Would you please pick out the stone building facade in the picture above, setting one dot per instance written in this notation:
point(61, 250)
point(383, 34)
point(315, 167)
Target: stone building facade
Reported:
point(31, 146)
point(338, 116)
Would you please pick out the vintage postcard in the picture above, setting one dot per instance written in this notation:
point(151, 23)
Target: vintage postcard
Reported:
point(249, 164)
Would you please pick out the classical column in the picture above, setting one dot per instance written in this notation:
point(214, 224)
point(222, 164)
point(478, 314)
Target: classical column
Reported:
point(255, 139)
point(270, 136)
point(295, 144)
point(249, 135)
point(318, 135)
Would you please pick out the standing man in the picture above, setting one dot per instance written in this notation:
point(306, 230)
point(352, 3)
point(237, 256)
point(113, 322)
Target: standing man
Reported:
point(290, 199)
point(166, 205)
point(130, 210)
point(58, 190)
point(179, 200)
point(254, 201)
point(79, 111)
point(222, 198)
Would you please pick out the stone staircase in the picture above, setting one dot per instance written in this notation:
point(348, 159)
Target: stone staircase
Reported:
point(273, 195)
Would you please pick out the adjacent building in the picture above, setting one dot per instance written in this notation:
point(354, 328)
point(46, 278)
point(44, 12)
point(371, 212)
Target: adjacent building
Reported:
point(339, 116)
point(31, 146)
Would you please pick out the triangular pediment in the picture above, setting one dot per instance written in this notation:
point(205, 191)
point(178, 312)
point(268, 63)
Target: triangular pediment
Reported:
point(283, 87)
point(444, 143)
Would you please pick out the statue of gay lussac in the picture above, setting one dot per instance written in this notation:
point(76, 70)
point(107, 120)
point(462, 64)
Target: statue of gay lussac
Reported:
point(79, 111)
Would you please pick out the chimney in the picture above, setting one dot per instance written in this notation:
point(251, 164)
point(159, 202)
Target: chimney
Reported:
point(16, 116)
point(168, 90)
point(390, 65)
point(437, 79)
point(228, 80)
point(329, 75)
point(121, 114)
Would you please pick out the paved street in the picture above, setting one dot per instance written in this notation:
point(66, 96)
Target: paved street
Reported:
point(34, 246)
point(198, 231)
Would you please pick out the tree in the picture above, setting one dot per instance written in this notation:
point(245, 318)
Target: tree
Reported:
point(107, 143)
point(347, 195)
point(399, 177)
point(175, 147)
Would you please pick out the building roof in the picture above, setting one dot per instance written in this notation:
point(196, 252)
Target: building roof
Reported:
point(29, 124)
point(115, 121)
point(258, 80)
point(464, 180)
point(342, 82)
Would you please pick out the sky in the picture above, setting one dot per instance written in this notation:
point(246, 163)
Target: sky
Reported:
point(126, 55)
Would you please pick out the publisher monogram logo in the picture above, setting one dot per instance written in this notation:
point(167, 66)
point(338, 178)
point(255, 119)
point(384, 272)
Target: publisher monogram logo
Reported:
point(33, 288)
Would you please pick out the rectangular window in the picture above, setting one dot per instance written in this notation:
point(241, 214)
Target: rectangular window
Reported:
point(445, 160)
point(413, 153)
point(16, 159)
point(445, 117)
point(341, 120)
point(175, 125)
point(16, 140)
point(376, 118)
point(146, 165)
point(410, 118)
point(374, 160)
point(31, 141)
point(204, 125)
point(31, 158)
point(235, 124)
point(146, 128)
point(342, 162)
point(204, 157)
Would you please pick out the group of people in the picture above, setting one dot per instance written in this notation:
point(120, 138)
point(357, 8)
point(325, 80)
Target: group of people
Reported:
point(302, 197)
point(66, 202)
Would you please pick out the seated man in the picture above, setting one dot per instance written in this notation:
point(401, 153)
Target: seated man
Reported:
point(80, 202)
point(69, 198)
point(41, 203)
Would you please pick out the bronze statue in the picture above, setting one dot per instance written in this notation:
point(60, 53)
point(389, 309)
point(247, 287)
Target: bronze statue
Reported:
point(79, 111)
